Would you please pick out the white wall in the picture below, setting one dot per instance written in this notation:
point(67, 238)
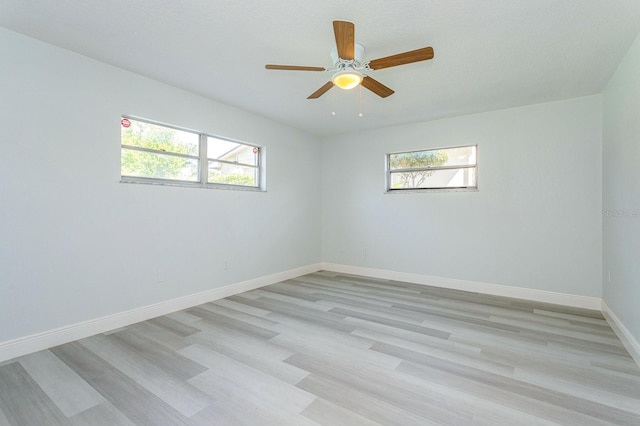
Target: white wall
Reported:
point(76, 244)
point(621, 192)
point(534, 223)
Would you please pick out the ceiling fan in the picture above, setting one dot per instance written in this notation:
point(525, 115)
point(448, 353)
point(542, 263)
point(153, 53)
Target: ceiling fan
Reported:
point(349, 68)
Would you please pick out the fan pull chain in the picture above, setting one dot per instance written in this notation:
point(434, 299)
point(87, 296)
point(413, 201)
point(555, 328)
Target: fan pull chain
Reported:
point(333, 103)
point(360, 114)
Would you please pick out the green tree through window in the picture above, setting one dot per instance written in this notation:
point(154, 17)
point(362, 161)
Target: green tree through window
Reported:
point(411, 160)
point(157, 165)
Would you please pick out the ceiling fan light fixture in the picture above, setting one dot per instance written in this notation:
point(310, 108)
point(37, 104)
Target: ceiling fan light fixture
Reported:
point(347, 78)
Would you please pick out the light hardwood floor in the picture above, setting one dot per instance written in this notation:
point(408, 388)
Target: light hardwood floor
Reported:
point(334, 349)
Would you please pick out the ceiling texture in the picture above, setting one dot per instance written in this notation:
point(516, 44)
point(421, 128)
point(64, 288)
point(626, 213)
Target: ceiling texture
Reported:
point(489, 54)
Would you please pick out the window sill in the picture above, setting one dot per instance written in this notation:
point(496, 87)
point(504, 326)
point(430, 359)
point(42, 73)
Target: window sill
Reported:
point(423, 190)
point(190, 184)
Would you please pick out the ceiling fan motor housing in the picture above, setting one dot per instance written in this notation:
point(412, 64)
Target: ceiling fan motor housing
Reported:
point(357, 61)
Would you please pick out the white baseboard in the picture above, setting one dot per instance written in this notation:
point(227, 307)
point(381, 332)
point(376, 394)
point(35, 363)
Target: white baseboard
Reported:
point(572, 300)
point(629, 342)
point(37, 342)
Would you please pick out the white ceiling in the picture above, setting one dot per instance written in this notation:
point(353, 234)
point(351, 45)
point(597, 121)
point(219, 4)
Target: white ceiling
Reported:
point(489, 54)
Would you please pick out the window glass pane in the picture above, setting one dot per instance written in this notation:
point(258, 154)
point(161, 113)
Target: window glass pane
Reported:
point(153, 136)
point(449, 178)
point(462, 156)
point(232, 174)
point(220, 149)
point(433, 158)
point(159, 166)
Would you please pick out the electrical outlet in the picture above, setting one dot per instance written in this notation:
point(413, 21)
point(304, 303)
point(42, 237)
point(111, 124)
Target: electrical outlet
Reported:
point(159, 277)
point(226, 264)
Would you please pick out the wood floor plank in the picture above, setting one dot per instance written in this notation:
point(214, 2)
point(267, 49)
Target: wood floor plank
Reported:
point(173, 326)
point(292, 289)
point(339, 290)
point(103, 414)
point(151, 375)
point(235, 314)
point(621, 365)
point(3, 419)
point(383, 386)
point(261, 355)
point(159, 335)
point(318, 334)
point(253, 387)
point(241, 307)
point(214, 334)
point(443, 351)
point(391, 322)
point(23, 402)
point(62, 385)
point(232, 323)
point(352, 355)
point(233, 410)
point(134, 401)
point(327, 319)
point(144, 348)
point(183, 317)
point(363, 327)
point(292, 297)
point(327, 413)
point(362, 404)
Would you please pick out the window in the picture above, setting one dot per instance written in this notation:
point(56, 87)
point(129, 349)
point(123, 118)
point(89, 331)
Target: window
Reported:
point(443, 169)
point(157, 153)
point(232, 163)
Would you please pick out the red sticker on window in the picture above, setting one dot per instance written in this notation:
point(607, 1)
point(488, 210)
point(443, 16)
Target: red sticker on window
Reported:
point(255, 150)
point(125, 122)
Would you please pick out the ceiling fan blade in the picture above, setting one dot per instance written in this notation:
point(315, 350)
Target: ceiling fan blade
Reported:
point(402, 58)
point(293, 68)
point(345, 39)
point(376, 87)
point(321, 91)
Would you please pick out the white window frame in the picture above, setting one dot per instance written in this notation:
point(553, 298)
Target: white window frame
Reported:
point(202, 159)
point(389, 172)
